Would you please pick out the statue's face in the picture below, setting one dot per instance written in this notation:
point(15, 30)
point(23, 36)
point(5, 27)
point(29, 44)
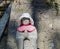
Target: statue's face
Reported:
point(25, 21)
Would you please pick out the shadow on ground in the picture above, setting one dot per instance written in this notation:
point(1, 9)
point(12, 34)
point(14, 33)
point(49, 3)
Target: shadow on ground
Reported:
point(38, 6)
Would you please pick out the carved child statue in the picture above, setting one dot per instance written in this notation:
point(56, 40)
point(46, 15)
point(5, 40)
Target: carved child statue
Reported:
point(26, 35)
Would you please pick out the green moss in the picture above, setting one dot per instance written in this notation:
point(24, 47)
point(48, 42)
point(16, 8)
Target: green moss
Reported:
point(56, 8)
point(26, 2)
point(20, 9)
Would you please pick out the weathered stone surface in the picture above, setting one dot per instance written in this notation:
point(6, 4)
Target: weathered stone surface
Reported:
point(49, 27)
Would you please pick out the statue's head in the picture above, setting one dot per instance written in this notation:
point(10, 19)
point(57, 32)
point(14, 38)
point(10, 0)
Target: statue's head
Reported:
point(26, 19)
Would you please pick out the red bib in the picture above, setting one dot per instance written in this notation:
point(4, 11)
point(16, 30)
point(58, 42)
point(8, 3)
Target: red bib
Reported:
point(29, 28)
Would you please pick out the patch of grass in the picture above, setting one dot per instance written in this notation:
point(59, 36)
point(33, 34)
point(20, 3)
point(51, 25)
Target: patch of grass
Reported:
point(52, 3)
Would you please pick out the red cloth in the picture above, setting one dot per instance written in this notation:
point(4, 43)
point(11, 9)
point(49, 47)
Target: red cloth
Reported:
point(29, 28)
